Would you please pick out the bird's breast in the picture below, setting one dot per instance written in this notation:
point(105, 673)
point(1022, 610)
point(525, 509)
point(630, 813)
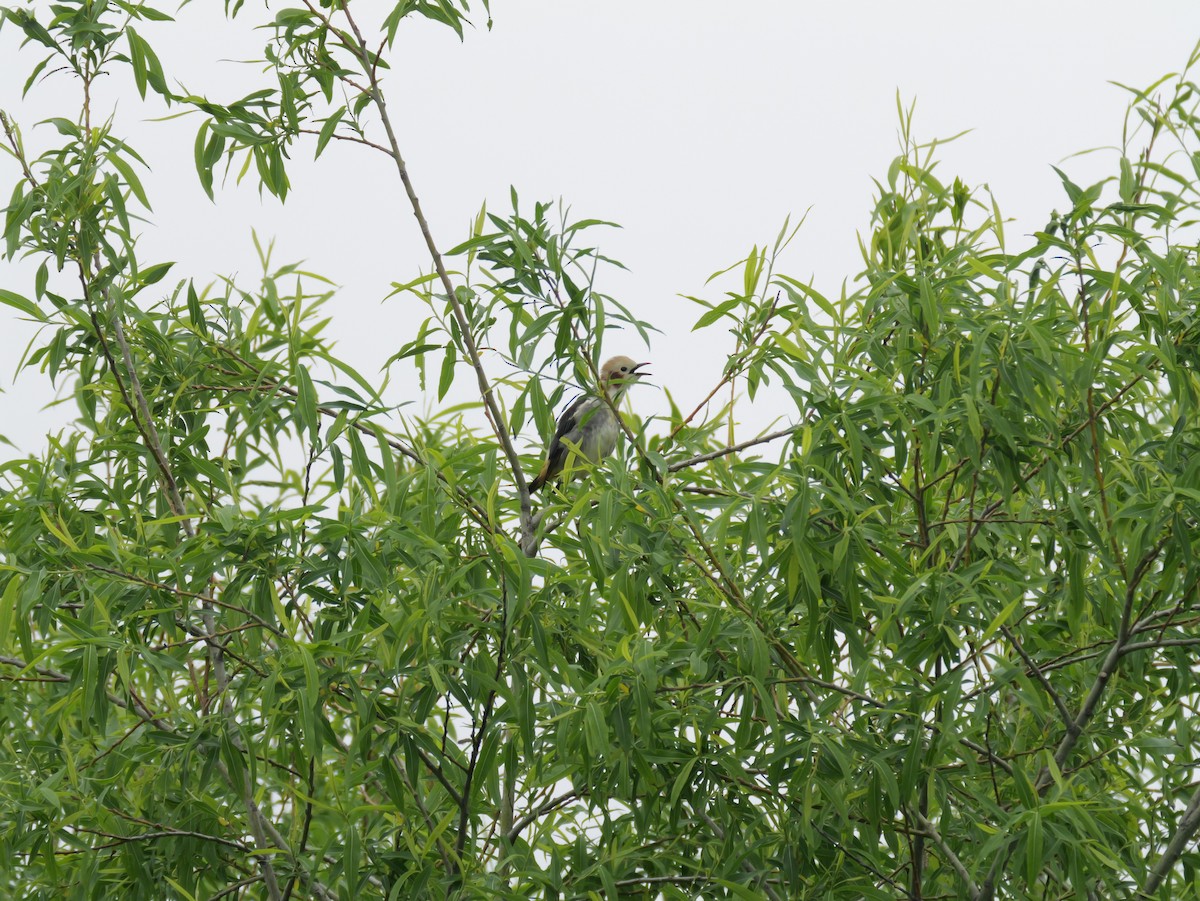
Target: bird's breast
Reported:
point(599, 433)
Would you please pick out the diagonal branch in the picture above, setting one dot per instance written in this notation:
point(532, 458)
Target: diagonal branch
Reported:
point(146, 424)
point(358, 45)
point(931, 831)
point(128, 382)
point(1111, 661)
point(194, 595)
point(1063, 710)
point(990, 510)
point(732, 449)
point(733, 369)
point(1188, 824)
point(553, 804)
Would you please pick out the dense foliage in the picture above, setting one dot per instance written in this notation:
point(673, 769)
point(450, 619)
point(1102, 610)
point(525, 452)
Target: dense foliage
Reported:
point(263, 637)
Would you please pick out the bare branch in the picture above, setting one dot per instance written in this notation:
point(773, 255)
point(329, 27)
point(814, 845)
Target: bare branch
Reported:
point(733, 369)
point(355, 139)
point(931, 832)
point(1188, 824)
point(732, 449)
point(358, 45)
point(541, 810)
point(1063, 711)
point(118, 840)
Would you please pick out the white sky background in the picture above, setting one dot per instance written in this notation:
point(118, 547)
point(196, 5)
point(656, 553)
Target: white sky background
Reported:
point(697, 125)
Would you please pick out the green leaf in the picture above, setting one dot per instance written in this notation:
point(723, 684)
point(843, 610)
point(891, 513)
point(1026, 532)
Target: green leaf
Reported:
point(328, 128)
point(1074, 192)
point(1001, 618)
point(8, 610)
point(307, 403)
point(447, 374)
point(131, 179)
point(1128, 185)
point(154, 274)
point(717, 312)
point(142, 11)
point(34, 74)
point(23, 304)
point(137, 59)
point(1033, 849)
point(204, 166)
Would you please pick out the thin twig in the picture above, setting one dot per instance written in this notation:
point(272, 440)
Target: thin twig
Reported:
point(118, 840)
point(195, 595)
point(931, 831)
point(473, 508)
point(17, 150)
point(1188, 824)
point(734, 369)
point(747, 867)
point(732, 449)
point(985, 516)
point(359, 46)
point(352, 138)
point(139, 410)
point(480, 731)
point(1064, 712)
point(1107, 668)
point(553, 804)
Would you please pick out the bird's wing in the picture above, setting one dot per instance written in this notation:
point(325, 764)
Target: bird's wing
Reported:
point(570, 426)
point(568, 432)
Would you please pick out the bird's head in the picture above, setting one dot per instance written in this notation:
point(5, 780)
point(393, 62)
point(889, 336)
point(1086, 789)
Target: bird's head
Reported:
point(618, 373)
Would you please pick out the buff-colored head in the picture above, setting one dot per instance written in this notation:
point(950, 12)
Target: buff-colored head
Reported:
point(618, 373)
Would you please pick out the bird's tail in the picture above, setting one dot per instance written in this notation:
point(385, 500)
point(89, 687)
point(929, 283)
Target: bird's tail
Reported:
point(539, 480)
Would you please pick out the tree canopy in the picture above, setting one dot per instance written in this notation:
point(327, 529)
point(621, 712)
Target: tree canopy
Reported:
point(263, 636)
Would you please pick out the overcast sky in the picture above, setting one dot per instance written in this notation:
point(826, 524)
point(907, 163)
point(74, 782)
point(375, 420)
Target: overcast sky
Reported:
point(699, 126)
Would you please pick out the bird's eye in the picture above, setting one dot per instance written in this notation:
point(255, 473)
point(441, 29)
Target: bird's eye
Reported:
point(624, 368)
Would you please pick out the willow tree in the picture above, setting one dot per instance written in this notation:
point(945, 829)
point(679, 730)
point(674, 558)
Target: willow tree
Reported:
point(264, 637)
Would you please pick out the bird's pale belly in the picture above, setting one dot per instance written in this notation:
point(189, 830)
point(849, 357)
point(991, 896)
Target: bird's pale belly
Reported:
point(599, 435)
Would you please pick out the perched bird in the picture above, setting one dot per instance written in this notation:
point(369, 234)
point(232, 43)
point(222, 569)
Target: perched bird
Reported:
point(589, 426)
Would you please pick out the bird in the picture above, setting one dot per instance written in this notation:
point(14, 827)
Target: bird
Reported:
point(589, 427)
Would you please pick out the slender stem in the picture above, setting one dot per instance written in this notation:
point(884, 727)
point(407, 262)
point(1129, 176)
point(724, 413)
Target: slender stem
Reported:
point(148, 428)
point(464, 806)
point(1033, 470)
point(931, 831)
point(1188, 824)
point(354, 139)
point(1063, 711)
point(1111, 661)
point(732, 449)
point(746, 865)
point(734, 369)
point(118, 840)
point(17, 150)
point(553, 804)
point(195, 595)
point(358, 45)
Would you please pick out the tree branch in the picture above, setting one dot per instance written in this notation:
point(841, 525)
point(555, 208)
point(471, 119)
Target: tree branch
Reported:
point(931, 832)
point(553, 804)
point(1111, 660)
point(1188, 824)
point(1063, 711)
point(359, 46)
point(118, 840)
point(139, 410)
point(732, 449)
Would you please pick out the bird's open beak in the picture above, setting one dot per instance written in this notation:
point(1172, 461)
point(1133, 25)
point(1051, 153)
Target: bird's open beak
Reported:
point(639, 366)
